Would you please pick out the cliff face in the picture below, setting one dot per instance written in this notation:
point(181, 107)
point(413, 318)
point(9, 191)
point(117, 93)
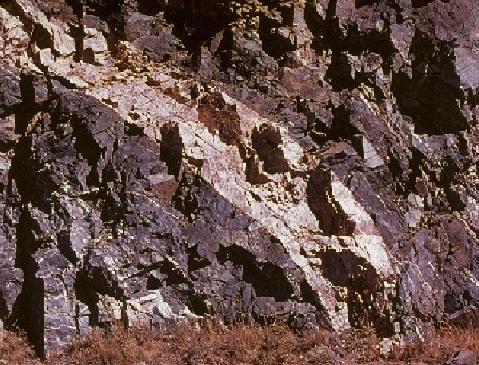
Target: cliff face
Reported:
point(306, 161)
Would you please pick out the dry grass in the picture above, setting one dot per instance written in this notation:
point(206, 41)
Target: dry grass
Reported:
point(241, 344)
point(439, 346)
point(14, 350)
point(186, 345)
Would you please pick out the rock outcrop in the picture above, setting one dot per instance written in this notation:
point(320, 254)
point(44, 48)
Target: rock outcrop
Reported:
point(307, 161)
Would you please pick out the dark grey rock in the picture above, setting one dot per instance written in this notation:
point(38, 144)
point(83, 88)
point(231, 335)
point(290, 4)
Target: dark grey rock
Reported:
point(463, 357)
point(313, 163)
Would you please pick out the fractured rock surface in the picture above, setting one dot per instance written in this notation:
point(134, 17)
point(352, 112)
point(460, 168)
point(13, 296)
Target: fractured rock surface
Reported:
point(308, 161)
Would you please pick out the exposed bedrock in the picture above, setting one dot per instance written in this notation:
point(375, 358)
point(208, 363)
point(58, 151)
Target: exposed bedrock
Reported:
point(312, 162)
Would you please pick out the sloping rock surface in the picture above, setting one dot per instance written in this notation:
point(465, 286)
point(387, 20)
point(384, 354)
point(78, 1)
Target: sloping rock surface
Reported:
point(307, 161)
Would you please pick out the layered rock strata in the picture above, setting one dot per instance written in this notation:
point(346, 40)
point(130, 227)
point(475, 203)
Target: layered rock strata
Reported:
point(309, 161)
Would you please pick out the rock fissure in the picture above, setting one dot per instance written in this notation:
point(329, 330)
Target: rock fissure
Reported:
point(312, 162)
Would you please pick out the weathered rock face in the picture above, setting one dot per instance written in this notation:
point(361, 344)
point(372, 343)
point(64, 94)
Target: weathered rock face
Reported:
point(306, 161)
